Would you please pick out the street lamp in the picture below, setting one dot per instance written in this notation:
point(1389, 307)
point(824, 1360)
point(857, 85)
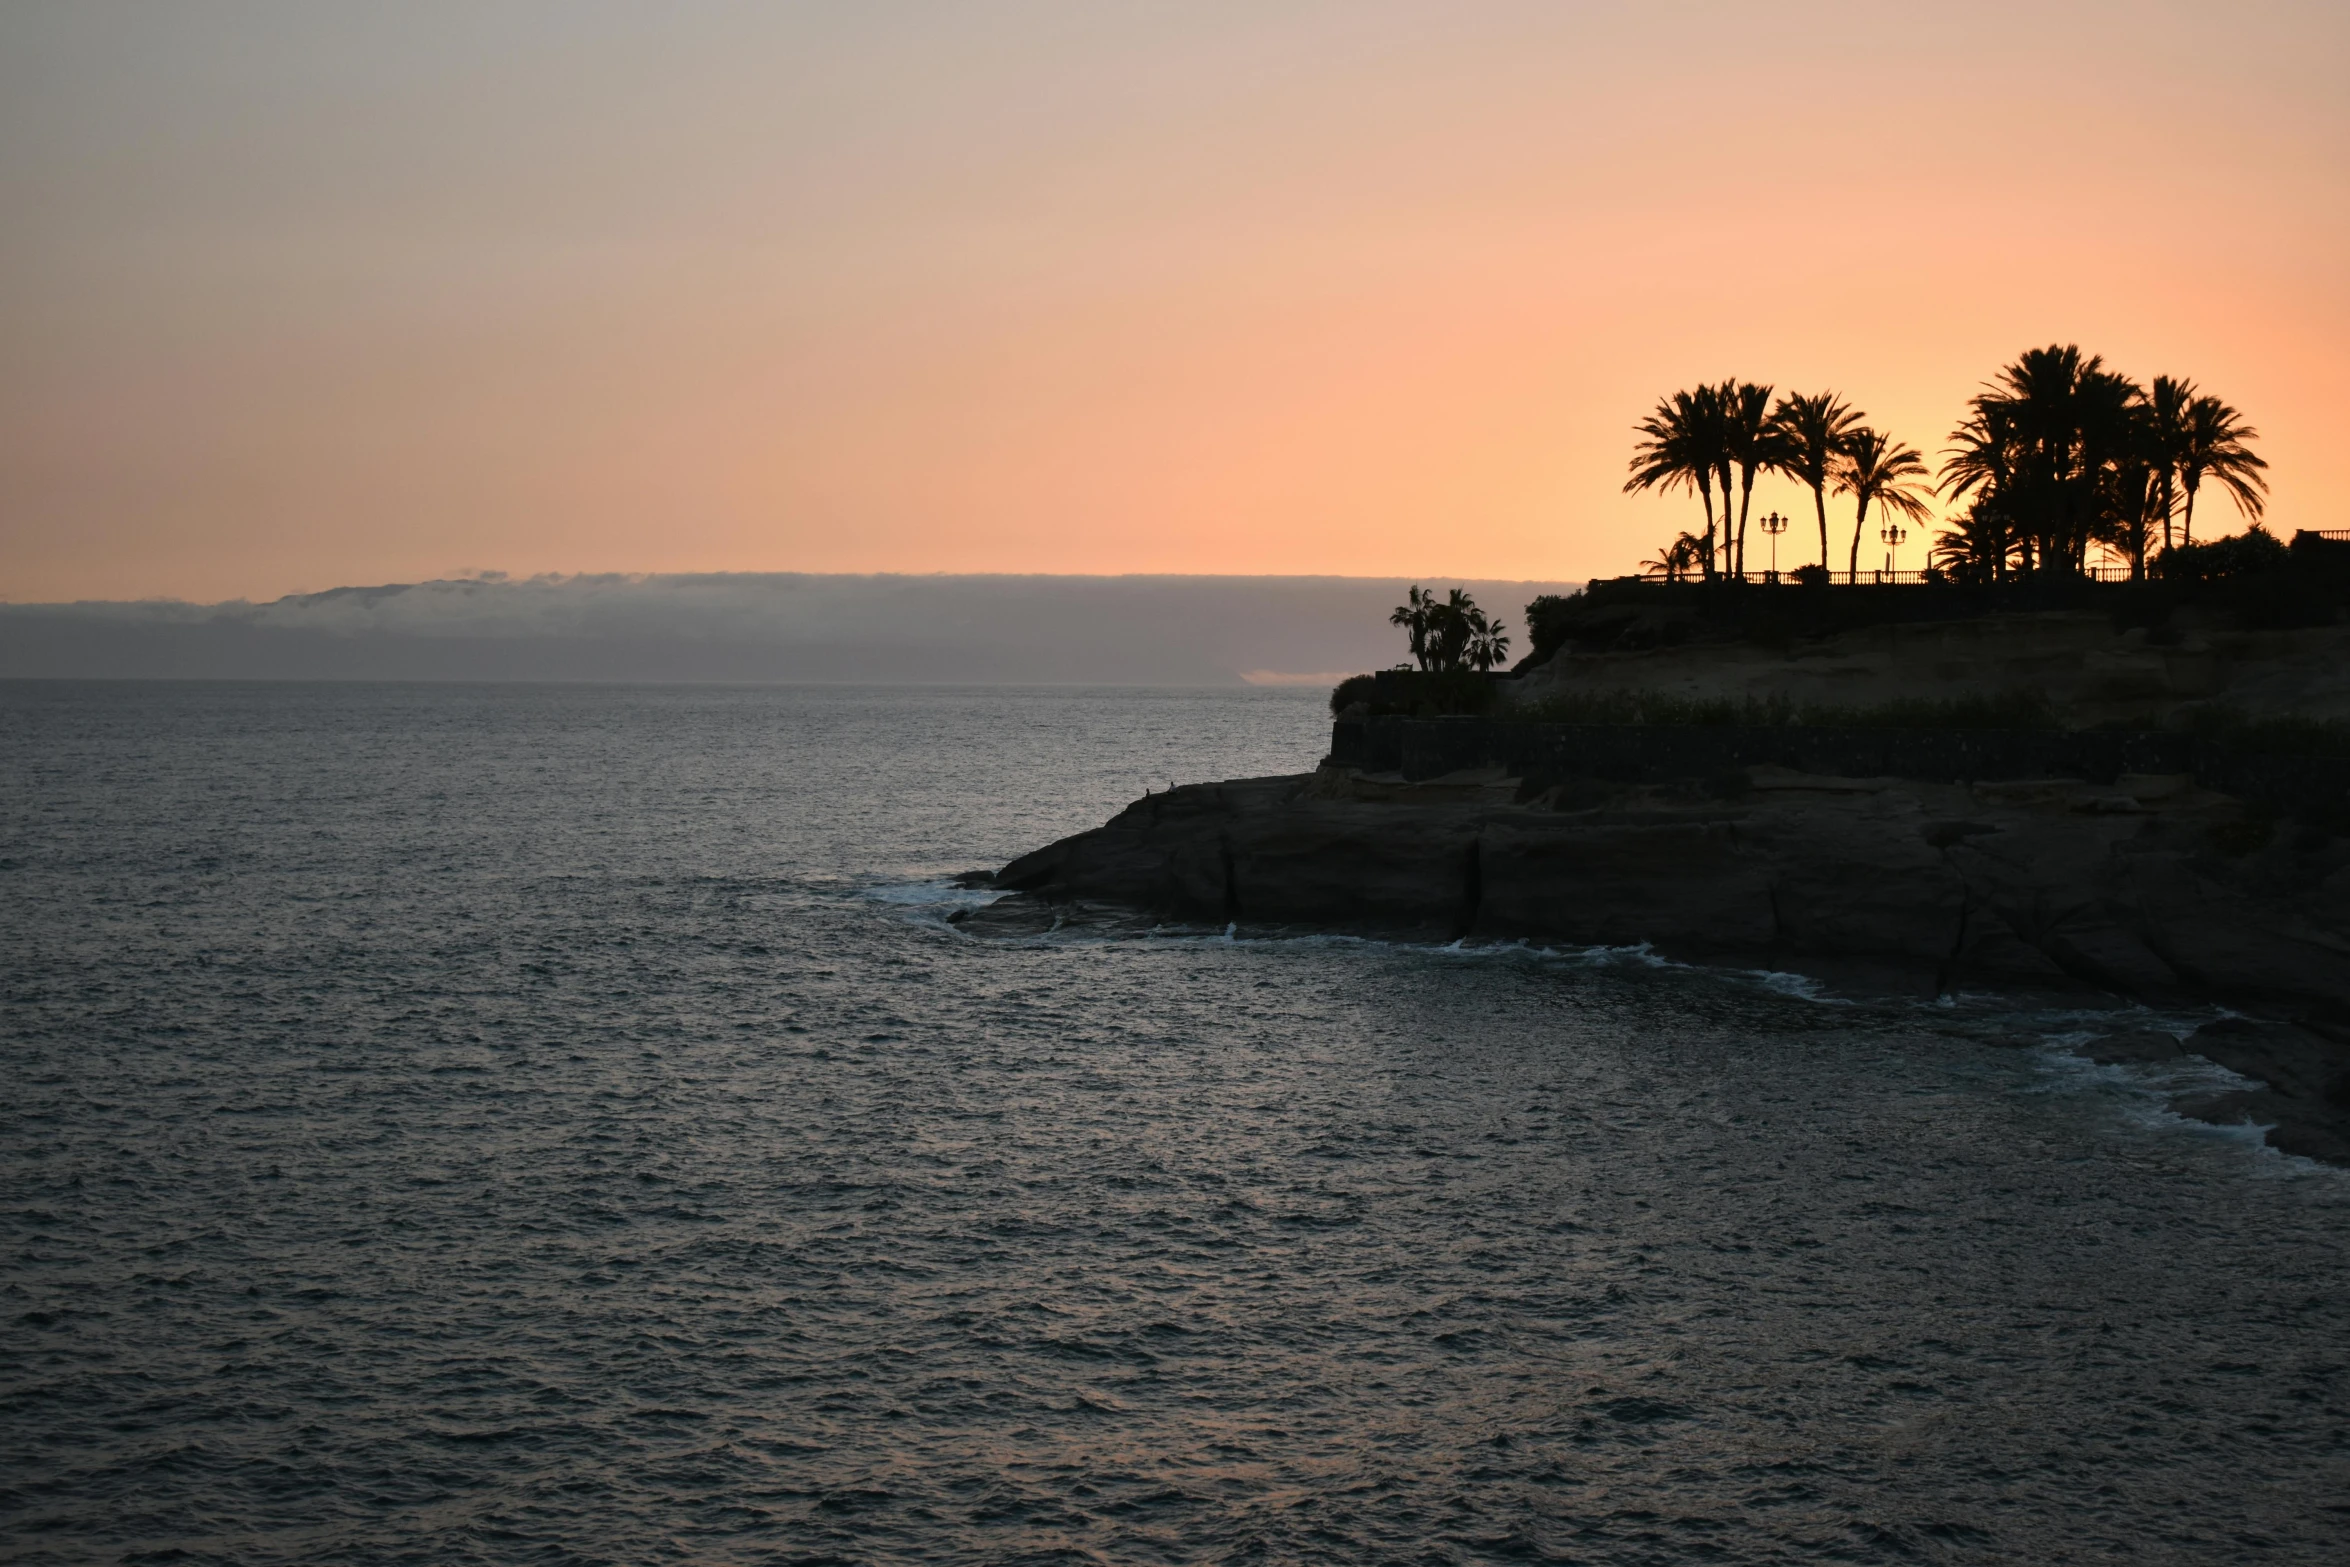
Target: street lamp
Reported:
point(1774, 525)
point(1892, 533)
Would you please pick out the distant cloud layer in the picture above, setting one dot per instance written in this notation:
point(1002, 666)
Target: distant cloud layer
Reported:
point(753, 627)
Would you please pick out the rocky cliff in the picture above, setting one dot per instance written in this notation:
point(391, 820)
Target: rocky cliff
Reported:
point(2149, 888)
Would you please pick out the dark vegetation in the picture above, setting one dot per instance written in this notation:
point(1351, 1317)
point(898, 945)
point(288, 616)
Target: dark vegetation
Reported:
point(2252, 553)
point(1731, 430)
point(1415, 693)
point(1450, 634)
point(2060, 453)
point(1454, 650)
point(2251, 582)
point(2055, 455)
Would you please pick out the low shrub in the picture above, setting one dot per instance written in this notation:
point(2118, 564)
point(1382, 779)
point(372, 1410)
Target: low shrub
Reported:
point(1353, 689)
point(1418, 693)
point(1549, 625)
point(2253, 552)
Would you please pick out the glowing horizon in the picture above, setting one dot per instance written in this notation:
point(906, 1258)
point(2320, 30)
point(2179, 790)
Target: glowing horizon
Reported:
point(304, 300)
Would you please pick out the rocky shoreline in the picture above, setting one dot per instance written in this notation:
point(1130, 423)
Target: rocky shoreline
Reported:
point(2149, 889)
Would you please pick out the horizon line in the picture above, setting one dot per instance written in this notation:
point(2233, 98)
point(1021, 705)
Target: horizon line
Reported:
point(560, 578)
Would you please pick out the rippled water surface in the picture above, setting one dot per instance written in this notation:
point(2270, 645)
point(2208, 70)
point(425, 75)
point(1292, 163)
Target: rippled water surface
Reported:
point(559, 1125)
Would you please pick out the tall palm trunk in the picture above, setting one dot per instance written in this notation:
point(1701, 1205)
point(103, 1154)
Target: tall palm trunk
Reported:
point(2187, 523)
point(1745, 501)
point(1819, 501)
point(1728, 551)
point(1705, 493)
point(1859, 522)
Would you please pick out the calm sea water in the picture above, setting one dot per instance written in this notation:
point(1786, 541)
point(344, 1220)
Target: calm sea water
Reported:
point(559, 1125)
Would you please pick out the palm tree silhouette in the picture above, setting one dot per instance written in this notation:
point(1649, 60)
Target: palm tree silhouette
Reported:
point(2132, 495)
point(1455, 624)
point(1412, 614)
point(1810, 433)
point(1489, 645)
point(1976, 550)
point(2164, 423)
point(2213, 445)
point(1680, 448)
point(1450, 633)
point(1876, 468)
point(2050, 442)
point(1674, 561)
point(1983, 460)
point(2115, 480)
point(1749, 442)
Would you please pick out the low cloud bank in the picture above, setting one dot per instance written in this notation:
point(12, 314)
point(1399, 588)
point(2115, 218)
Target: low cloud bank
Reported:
point(985, 630)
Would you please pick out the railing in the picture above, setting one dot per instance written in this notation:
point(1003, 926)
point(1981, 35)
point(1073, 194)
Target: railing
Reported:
point(2337, 535)
point(1884, 578)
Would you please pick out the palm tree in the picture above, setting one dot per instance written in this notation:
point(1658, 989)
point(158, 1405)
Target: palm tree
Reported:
point(1877, 468)
point(1977, 549)
point(2130, 497)
point(1454, 625)
point(2165, 425)
point(1715, 399)
point(2048, 441)
point(2214, 445)
point(1673, 562)
point(1489, 645)
point(1984, 461)
point(1749, 442)
point(1809, 436)
point(1680, 448)
point(2040, 397)
point(2114, 485)
point(1412, 614)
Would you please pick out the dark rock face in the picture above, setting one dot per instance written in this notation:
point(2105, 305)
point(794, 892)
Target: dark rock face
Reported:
point(2145, 889)
point(2306, 1067)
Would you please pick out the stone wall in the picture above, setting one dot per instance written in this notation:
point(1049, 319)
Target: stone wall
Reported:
point(2308, 786)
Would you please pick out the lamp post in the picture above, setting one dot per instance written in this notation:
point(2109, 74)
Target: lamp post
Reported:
point(1774, 525)
point(1892, 533)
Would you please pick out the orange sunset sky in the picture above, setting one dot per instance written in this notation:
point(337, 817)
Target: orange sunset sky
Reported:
point(303, 294)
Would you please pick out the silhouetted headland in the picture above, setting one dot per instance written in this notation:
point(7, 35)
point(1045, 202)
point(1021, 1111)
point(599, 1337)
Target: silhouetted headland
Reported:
point(2095, 792)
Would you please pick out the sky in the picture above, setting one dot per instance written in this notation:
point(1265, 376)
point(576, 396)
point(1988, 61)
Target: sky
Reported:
point(295, 295)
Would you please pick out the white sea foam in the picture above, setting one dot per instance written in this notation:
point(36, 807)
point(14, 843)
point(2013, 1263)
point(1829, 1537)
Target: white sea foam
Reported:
point(2141, 1093)
point(933, 895)
point(929, 898)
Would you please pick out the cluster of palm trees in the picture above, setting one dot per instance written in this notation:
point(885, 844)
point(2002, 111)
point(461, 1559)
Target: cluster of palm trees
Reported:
point(1450, 633)
point(2057, 454)
point(2060, 453)
point(1728, 434)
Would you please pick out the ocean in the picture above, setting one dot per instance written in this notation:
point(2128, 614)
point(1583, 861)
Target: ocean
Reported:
point(454, 1124)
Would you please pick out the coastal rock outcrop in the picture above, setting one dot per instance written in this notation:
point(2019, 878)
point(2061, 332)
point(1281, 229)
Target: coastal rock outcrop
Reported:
point(2148, 888)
